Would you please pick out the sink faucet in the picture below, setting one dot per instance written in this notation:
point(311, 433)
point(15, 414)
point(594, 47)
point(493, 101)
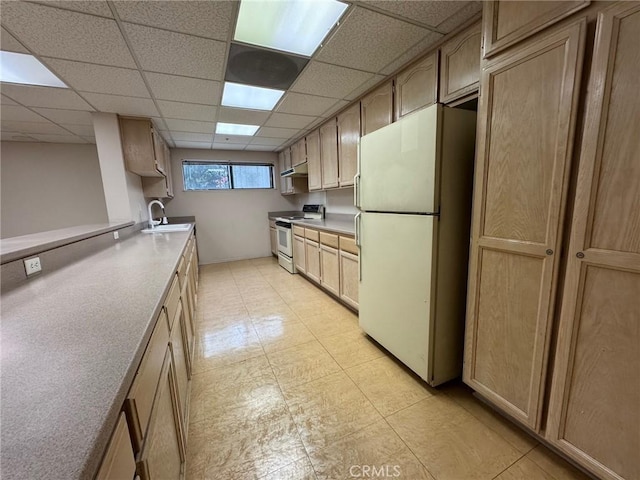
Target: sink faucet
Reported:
point(152, 222)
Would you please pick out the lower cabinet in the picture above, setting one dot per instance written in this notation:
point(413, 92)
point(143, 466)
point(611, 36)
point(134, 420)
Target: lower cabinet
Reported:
point(312, 253)
point(118, 461)
point(273, 236)
point(299, 254)
point(349, 276)
point(329, 263)
point(181, 360)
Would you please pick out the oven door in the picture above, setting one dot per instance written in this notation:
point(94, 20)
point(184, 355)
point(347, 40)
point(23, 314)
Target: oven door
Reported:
point(285, 240)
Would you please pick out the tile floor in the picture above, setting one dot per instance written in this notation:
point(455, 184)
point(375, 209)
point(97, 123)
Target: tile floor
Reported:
point(286, 386)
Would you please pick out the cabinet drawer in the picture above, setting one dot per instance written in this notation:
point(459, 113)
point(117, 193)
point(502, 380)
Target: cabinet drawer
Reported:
point(140, 399)
point(329, 239)
point(298, 231)
point(312, 234)
point(171, 302)
point(348, 244)
point(119, 461)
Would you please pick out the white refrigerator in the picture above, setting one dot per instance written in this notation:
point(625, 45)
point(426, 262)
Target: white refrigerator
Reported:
point(413, 190)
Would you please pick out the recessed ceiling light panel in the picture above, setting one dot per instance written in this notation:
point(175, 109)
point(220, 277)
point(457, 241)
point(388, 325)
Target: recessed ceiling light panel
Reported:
point(246, 96)
point(296, 26)
point(236, 129)
point(26, 70)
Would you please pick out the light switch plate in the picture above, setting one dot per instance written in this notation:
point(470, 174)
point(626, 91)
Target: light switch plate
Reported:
point(32, 265)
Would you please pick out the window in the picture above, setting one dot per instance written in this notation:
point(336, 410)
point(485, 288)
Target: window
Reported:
point(203, 175)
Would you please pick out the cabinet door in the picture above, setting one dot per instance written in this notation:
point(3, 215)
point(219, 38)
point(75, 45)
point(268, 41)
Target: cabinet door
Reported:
point(313, 259)
point(138, 147)
point(163, 451)
point(348, 137)
point(287, 158)
point(376, 109)
point(158, 151)
point(313, 161)
point(274, 240)
point(298, 152)
point(526, 119)
point(330, 268)
point(349, 278)
point(417, 86)
point(168, 173)
point(180, 360)
point(460, 65)
point(188, 311)
point(299, 254)
point(507, 23)
point(118, 462)
point(595, 393)
point(284, 186)
point(329, 154)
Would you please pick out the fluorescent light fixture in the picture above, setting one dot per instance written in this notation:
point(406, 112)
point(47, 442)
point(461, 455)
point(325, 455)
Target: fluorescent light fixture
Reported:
point(27, 70)
point(296, 26)
point(247, 96)
point(236, 129)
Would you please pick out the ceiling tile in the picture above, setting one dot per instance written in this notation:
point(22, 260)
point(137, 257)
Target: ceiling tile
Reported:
point(260, 148)
point(412, 53)
point(85, 77)
point(187, 111)
point(368, 40)
point(95, 7)
point(329, 80)
point(235, 139)
point(33, 127)
point(58, 138)
point(176, 53)
point(48, 97)
point(143, 107)
point(192, 137)
point(300, 104)
point(15, 137)
point(228, 146)
point(242, 116)
point(10, 44)
point(4, 100)
point(286, 120)
point(200, 145)
point(90, 139)
point(190, 126)
point(52, 32)
point(427, 13)
point(364, 87)
point(461, 16)
point(332, 111)
point(70, 117)
point(183, 89)
point(16, 113)
point(205, 19)
point(82, 130)
point(264, 141)
point(283, 133)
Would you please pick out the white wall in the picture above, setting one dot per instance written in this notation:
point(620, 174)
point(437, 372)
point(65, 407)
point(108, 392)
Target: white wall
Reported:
point(232, 224)
point(335, 201)
point(46, 186)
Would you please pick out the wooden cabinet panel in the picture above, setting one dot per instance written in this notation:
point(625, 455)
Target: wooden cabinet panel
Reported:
point(348, 244)
point(312, 253)
point(330, 269)
point(287, 157)
point(138, 140)
point(181, 361)
point(460, 65)
point(329, 154)
point(172, 299)
point(298, 152)
point(593, 409)
point(349, 278)
point(417, 86)
point(189, 326)
point(348, 137)
point(298, 230)
point(312, 234)
point(507, 23)
point(118, 462)
point(313, 161)
point(299, 254)
point(376, 108)
point(329, 239)
point(526, 123)
point(273, 235)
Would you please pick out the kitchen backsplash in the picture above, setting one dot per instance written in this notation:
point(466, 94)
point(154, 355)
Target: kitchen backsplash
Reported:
point(335, 201)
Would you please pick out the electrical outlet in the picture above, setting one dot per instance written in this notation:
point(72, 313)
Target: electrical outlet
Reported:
point(116, 235)
point(32, 265)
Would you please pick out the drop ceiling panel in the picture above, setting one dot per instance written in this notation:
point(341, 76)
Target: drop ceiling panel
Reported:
point(183, 89)
point(4, 100)
point(199, 145)
point(283, 133)
point(85, 77)
point(176, 53)
point(190, 126)
point(412, 53)
point(94, 7)
point(15, 137)
point(260, 148)
point(70, 117)
point(33, 127)
point(367, 40)
point(82, 130)
point(242, 116)
point(49, 97)
point(10, 44)
point(143, 107)
point(264, 141)
point(462, 15)
point(329, 80)
point(53, 32)
point(192, 137)
point(427, 13)
point(206, 19)
point(338, 106)
point(287, 120)
point(17, 113)
point(58, 138)
point(364, 87)
point(90, 139)
point(235, 139)
point(187, 111)
point(228, 146)
point(301, 104)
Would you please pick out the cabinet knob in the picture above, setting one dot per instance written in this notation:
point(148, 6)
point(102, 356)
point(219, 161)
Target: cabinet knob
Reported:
point(549, 251)
point(580, 255)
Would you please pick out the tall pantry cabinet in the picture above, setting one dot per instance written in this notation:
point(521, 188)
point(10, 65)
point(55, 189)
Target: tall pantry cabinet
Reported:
point(543, 309)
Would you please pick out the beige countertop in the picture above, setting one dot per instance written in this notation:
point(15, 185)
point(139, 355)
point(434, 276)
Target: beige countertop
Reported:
point(71, 342)
point(336, 223)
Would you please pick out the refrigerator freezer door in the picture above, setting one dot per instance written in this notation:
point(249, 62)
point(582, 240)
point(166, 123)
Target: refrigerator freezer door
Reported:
point(395, 287)
point(398, 165)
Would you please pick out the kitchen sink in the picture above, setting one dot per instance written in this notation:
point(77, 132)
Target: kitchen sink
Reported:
point(175, 227)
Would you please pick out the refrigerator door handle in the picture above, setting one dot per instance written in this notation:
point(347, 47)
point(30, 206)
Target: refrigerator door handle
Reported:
point(356, 190)
point(357, 225)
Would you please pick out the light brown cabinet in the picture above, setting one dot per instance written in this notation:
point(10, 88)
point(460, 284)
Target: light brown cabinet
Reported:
point(181, 361)
point(298, 152)
point(376, 108)
point(348, 138)
point(142, 147)
point(594, 413)
point(273, 235)
point(329, 154)
point(290, 185)
point(118, 461)
point(460, 65)
point(314, 165)
point(312, 255)
point(329, 263)
point(349, 278)
point(417, 86)
point(527, 113)
point(299, 254)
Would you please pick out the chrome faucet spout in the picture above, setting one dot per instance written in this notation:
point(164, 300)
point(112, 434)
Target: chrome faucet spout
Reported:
point(152, 222)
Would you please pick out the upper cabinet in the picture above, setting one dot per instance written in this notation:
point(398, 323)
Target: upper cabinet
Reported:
point(290, 185)
point(417, 86)
point(377, 108)
point(142, 147)
point(313, 160)
point(348, 138)
point(329, 154)
point(298, 152)
point(507, 23)
point(285, 163)
point(460, 65)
